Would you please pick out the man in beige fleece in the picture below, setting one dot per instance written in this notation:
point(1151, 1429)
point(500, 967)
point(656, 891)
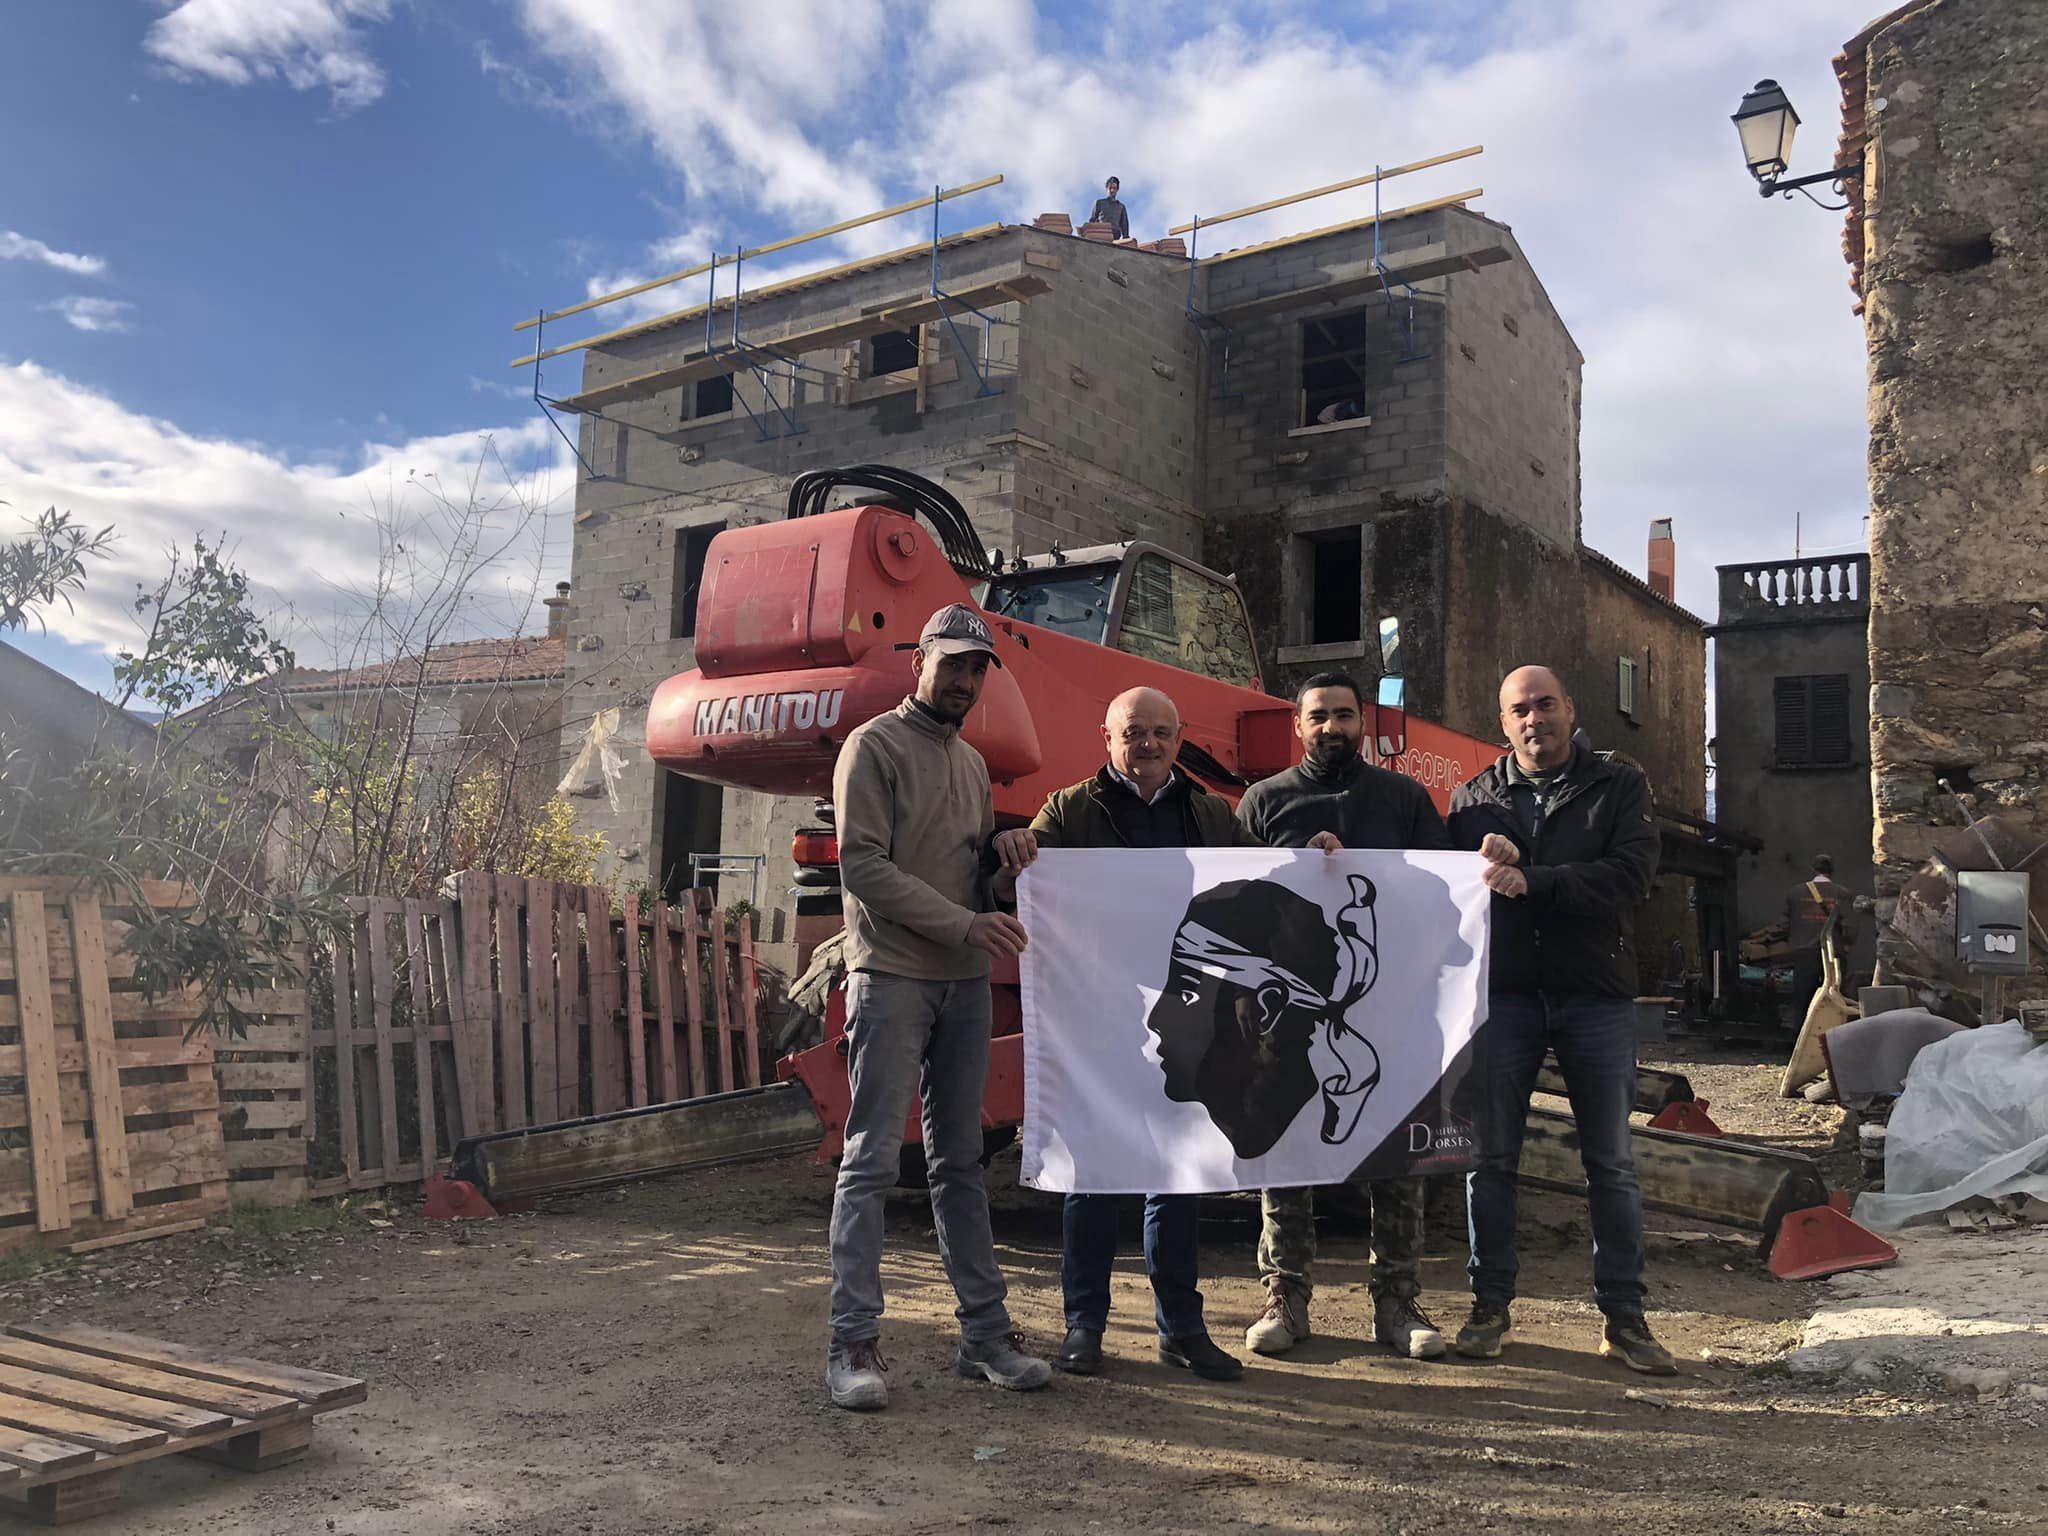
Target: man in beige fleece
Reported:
point(914, 815)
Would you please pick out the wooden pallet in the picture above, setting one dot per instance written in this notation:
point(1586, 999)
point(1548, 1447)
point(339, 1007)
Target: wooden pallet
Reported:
point(79, 1405)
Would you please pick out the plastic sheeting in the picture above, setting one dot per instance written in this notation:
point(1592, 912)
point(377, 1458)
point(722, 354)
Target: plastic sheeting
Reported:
point(1972, 1121)
point(598, 765)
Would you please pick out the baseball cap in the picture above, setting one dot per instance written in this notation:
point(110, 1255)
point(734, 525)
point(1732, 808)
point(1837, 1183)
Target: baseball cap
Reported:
point(957, 630)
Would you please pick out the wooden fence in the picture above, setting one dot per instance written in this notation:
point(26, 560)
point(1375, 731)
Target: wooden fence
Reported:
point(521, 1003)
point(109, 1117)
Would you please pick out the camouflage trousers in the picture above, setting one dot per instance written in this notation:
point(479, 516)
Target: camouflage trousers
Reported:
point(1287, 1237)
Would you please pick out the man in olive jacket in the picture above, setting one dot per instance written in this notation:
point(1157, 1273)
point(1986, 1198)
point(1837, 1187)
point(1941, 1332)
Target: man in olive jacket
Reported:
point(1137, 800)
point(1571, 843)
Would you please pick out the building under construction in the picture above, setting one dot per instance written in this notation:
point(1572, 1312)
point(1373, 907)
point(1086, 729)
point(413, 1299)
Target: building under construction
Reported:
point(1375, 418)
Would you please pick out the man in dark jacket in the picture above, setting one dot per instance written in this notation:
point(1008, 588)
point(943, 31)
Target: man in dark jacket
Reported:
point(1571, 844)
point(1137, 800)
point(1817, 911)
point(1109, 209)
point(1335, 799)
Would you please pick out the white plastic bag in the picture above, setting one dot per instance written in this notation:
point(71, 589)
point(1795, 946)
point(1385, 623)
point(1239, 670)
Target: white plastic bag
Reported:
point(598, 765)
point(1972, 1121)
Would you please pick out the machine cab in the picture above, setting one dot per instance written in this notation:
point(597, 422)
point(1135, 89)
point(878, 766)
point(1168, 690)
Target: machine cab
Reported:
point(1139, 599)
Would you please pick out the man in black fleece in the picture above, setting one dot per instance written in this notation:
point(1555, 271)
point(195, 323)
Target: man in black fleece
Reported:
point(1571, 843)
point(1335, 799)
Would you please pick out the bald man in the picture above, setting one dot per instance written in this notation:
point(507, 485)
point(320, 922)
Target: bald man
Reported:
point(1570, 841)
point(1138, 799)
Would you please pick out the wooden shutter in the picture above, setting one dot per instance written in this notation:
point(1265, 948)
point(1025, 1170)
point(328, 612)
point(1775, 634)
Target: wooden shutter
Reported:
point(1830, 718)
point(1791, 699)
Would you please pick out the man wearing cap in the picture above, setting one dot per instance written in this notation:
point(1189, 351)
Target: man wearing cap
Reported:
point(914, 815)
point(1138, 799)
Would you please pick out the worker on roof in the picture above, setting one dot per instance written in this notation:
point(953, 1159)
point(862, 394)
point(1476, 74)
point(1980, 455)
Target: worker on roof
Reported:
point(1334, 799)
point(1138, 799)
point(914, 816)
point(1108, 210)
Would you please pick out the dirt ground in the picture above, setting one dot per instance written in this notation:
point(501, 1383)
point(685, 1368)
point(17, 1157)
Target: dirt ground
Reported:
point(650, 1359)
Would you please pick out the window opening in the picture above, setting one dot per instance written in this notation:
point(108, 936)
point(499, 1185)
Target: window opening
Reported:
point(1332, 369)
point(892, 352)
point(1336, 581)
point(692, 545)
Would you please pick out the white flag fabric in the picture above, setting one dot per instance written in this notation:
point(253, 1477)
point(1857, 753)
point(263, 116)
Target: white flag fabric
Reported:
point(1208, 1019)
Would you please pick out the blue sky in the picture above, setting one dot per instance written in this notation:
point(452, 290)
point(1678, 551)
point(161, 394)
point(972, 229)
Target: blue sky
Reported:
point(259, 259)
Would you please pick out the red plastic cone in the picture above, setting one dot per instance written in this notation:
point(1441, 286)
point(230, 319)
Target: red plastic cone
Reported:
point(1688, 1117)
point(1823, 1241)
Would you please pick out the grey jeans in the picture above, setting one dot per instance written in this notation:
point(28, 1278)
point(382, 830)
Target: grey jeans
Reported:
point(897, 1026)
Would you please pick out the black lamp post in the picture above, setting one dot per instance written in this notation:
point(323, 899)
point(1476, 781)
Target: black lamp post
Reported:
point(1766, 123)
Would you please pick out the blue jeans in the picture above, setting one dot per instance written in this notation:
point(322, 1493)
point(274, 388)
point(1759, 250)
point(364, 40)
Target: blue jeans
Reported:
point(896, 1028)
point(1170, 1244)
point(1594, 1040)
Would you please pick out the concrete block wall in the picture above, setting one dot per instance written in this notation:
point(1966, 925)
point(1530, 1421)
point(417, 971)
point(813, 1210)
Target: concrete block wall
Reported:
point(1251, 464)
point(1110, 387)
point(1512, 391)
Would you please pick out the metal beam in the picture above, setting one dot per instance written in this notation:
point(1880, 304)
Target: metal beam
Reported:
point(1335, 186)
point(766, 250)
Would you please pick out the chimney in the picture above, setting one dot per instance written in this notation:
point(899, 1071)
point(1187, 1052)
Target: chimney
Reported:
point(1663, 559)
point(558, 611)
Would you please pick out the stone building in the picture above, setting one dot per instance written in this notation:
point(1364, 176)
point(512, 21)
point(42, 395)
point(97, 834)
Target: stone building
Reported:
point(1792, 738)
point(1348, 447)
point(1947, 243)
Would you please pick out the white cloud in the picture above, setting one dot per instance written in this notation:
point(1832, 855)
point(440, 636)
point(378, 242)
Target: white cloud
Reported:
point(87, 314)
point(310, 533)
point(18, 247)
point(309, 44)
point(1724, 378)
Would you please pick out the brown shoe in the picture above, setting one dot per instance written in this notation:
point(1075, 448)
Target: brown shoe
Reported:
point(1283, 1324)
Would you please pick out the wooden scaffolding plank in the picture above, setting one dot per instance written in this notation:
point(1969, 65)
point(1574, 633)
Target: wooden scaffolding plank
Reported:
point(1387, 173)
point(382, 910)
point(661, 961)
point(81, 1428)
point(1455, 200)
point(173, 1386)
point(540, 998)
point(607, 1072)
point(316, 1389)
point(102, 1069)
point(422, 1018)
point(468, 938)
point(512, 1058)
point(344, 1053)
point(721, 993)
point(899, 315)
point(636, 1024)
point(26, 1451)
point(570, 1001)
point(750, 1002)
point(693, 1006)
point(134, 1407)
point(39, 1063)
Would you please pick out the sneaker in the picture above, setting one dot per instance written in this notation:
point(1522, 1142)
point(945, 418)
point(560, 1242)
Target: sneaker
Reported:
point(1284, 1323)
point(1197, 1352)
point(1003, 1361)
point(1400, 1323)
point(1484, 1332)
point(1629, 1340)
point(1081, 1354)
point(853, 1374)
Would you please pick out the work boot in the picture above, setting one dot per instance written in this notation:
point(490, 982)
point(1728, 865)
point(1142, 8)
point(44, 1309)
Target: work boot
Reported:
point(1400, 1323)
point(1629, 1340)
point(1081, 1354)
point(1003, 1361)
point(853, 1374)
point(1197, 1352)
point(1284, 1323)
point(1485, 1331)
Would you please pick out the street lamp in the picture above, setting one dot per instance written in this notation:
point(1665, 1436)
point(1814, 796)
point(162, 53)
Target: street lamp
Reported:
point(1766, 123)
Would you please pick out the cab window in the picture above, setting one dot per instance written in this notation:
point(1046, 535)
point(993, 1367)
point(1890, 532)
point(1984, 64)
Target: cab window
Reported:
point(1188, 620)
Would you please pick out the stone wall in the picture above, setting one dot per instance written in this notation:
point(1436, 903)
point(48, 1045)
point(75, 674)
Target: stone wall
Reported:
point(1955, 270)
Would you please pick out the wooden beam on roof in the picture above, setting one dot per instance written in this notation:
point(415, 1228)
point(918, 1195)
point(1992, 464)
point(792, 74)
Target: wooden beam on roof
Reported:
point(1336, 186)
point(766, 250)
point(1456, 199)
point(865, 263)
point(1366, 283)
point(900, 315)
